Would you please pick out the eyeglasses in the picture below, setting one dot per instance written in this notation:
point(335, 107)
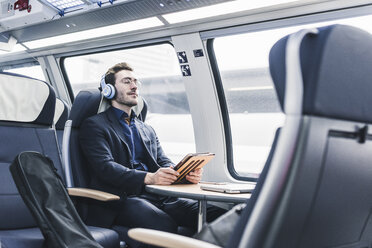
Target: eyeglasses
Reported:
point(128, 81)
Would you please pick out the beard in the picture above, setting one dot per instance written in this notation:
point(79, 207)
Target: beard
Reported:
point(126, 100)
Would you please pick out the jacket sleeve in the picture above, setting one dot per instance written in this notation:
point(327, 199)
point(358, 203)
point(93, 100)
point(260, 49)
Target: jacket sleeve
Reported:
point(94, 141)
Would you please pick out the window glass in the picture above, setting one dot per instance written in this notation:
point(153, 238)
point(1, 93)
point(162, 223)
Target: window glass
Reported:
point(33, 71)
point(161, 86)
point(254, 111)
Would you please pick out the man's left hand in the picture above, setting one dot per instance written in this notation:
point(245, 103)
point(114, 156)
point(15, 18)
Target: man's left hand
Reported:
point(195, 176)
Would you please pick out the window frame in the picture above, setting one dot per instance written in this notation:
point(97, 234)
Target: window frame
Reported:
point(24, 64)
point(225, 116)
point(209, 35)
point(101, 50)
point(121, 48)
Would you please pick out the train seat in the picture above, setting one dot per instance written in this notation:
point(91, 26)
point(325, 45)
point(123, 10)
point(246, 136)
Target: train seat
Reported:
point(87, 103)
point(26, 125)
point(317, 192)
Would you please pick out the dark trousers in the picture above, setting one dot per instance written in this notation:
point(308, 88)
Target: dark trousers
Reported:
point(162, 213)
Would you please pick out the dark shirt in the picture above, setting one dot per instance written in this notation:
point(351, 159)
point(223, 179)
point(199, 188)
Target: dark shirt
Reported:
point(132, 138)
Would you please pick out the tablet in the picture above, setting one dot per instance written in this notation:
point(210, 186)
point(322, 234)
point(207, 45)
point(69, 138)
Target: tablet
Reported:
point(191, 162)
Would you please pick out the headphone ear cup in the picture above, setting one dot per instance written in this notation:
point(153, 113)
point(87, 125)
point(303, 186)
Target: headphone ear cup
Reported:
point(113, 91)
point(109, 91)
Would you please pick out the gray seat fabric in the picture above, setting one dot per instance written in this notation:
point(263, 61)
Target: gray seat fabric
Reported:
point(61, 114)
point(26, 125)
point(317, 191)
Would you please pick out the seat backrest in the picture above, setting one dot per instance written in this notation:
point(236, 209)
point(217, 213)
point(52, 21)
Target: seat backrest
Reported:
point(26, 116)
point(317, 191)
point(87, 103)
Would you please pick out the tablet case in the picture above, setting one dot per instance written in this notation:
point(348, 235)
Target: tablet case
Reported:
point(43, 192)
point(191, 162)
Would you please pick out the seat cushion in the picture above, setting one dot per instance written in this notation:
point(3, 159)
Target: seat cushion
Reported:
point(32, 237)
point(106, 237)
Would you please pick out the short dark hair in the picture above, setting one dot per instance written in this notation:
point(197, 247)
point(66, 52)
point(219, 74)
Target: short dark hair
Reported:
point(110, 74)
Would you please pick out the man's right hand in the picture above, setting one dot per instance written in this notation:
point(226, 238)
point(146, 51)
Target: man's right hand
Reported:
point(163, 176)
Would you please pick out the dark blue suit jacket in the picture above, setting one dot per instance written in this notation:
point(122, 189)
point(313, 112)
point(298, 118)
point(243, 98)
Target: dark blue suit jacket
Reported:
point(103, 143)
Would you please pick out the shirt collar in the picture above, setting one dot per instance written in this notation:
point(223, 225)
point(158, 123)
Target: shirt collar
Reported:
point(121, 115)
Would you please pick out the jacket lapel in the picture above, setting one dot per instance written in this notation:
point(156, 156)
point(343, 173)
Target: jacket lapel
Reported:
point(115, 124)
point(142, 134)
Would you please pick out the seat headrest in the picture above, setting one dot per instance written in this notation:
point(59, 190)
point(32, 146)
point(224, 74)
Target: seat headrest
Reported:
point(141, 109)
point(26, 100)
point(336, 68)
point(86, 104)
point(61, 113)
point(90, 102)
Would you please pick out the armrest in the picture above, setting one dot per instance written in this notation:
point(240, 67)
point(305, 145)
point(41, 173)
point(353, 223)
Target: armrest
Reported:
point(91, 193)
point(165, 239)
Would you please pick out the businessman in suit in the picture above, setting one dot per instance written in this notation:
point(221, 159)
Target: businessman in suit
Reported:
point(124, 155)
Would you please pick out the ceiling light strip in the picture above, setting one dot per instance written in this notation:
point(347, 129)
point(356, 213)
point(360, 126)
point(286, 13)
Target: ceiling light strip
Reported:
point(95, 33)
point(220, 9)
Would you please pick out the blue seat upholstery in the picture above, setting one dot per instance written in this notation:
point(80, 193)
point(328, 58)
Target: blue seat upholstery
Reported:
point(33, 238)
point(87, 103)
point(26, 117)
point(317, 190)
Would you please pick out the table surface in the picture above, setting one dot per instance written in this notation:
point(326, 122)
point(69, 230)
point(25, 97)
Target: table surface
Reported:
point(193, 191)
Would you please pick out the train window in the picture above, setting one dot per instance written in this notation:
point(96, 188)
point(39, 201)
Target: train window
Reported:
point(161, 86)
point(33, 71)
point(254, 111)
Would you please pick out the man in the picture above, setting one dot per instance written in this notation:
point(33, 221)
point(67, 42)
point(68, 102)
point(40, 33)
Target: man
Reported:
point(124, 155)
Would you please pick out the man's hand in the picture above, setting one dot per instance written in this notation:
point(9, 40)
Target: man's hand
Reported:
point(163, 176)
point(195, 176)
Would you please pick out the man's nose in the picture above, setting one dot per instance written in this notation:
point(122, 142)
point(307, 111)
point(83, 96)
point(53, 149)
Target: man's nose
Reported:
point(133, 86)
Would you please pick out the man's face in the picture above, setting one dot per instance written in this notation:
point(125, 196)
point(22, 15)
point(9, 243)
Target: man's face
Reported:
point(126, 86)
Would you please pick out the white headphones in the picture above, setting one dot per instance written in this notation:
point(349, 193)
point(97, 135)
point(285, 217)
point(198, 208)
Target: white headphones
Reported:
point(108, 90)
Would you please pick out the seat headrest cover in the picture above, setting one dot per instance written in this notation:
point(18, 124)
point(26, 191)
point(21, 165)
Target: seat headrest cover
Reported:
point(61, 113)
point(138, 108)
point(336, 68)
point(105, 104)
point(27, 100)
